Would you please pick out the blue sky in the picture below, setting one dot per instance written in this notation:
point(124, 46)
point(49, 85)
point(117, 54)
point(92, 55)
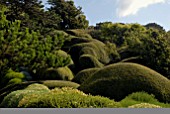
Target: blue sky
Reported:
point(126, 11)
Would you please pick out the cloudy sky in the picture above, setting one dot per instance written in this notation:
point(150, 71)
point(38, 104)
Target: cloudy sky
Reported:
point(127, 11)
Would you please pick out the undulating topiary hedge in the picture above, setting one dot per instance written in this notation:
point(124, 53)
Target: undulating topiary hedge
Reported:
point(84, 74)
point(78, 33)
point(118, 80)
point(66, 98)
point(12, 100)
point(39, 96)
point(72, 41)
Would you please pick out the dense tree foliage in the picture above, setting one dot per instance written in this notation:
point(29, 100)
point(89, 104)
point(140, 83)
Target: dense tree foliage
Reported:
point(22, 48)
point(154, 26)
point(151, 45)
point(71, 16)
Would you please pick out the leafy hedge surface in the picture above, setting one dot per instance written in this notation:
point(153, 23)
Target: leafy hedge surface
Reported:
point(118, 80)
point(59, 83)
point(12, 100)
point(144, 105)
point(141, 97)
point(61, 73)
point(84, 74)
point(56, 98)
point(89, 61)
point(78, 33)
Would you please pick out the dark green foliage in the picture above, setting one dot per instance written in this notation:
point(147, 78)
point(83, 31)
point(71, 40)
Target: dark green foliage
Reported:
point(78, 33)
point(31, 14)
point(155, 26)
point(59, 83)
point(22, 48)
point(141, 97)
point(89, 61)
point(151, 45)
point(93, 51)
point(71, 16)
point(84, 75)
point(67, 98)
point(118, 80)
point(61, 73)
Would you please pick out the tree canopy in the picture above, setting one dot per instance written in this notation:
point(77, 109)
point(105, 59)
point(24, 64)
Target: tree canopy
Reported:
point(71, 16)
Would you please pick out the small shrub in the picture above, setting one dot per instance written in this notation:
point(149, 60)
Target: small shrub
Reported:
point(15, 81)
point(12, 74)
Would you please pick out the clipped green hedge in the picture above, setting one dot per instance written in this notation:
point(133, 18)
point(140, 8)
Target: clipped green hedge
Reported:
point(72, 41)
point(84, 74)
point(12, 100)
point(65, 56)
point(141, 97)
point(144, 105)
point(118, 80)
point(59, 83)
point(78, 33)
point(89, 61)
point(61, 73)
point(37, 86)
point(66, 98)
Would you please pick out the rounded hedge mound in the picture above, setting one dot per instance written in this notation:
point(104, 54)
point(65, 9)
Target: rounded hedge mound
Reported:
point(66, 98)
point(79, 33)
point(59, 83)
point(96, 50)
point(61, 73)
point(89, 61)
point(72, 41)
point(118, 80)
point(141, 97)
point(84, 74)
point(37, 86)
point(12, 100)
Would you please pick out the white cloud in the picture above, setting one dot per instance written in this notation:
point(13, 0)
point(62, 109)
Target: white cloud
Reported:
point(131, 7)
